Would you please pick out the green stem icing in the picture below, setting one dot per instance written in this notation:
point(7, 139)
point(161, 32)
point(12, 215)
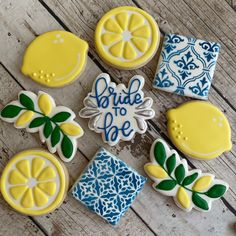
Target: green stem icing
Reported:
point(181, 184)
point(23, 108)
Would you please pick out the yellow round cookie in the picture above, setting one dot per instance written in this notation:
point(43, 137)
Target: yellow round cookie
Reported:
point(127, 37)
point(199, 129)
point(34, 182)
point(55, 58)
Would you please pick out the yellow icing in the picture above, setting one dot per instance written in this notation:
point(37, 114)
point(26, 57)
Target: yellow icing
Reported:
point(199, 129)
point(202, 183)
point(55, 58)
point(45, 104)
point(183, 198)
point(155, 171)
point(34, 182)
point(71, 129)
point(127, 37)
point(24, 118)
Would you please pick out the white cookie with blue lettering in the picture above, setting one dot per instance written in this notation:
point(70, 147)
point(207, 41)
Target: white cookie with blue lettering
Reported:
point(116, 111)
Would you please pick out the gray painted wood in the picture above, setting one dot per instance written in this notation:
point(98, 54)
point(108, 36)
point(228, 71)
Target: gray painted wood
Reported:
point(151, 213)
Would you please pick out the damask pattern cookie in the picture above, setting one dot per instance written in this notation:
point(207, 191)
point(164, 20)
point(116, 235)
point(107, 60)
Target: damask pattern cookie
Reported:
point(55, 58)
point(189, 188)
point(116, 111)
point(108, 186)
point(186, 66)
point(55, 124)
point(127, 37)
point(199, 129)
point(34, 182)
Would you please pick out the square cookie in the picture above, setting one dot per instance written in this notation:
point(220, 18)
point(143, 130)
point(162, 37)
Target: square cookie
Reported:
point(186, 66)
point(108, 186)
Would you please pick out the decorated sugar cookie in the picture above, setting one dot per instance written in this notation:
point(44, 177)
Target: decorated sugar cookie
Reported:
point(186, 66)
point(189, 188)
point(108, 186)
point(34, 182)
point(116, 111)
point(55, 124)
point(55, 58)
point(127, 37)
point(199, 129)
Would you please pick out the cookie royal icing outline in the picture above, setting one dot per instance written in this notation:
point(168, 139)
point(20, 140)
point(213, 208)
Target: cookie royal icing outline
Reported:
point(189, 188)
point(55, 124)
point(34, 182)
point(116, 111)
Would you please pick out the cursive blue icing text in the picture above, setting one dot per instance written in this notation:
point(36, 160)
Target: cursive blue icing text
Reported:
point(108, 94)
point(111, 131)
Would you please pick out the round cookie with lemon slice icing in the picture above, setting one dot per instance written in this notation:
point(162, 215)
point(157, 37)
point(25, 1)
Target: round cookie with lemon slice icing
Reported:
point(34, 182)
point(199, 129)
point(55, 58)
point(127, 37)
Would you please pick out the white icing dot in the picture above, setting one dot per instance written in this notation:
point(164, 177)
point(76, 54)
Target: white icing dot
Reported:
point(126, 35)
point(220, 124)
point(55, 41)
point(61, 40)
point(214, 119)
point(32, 182)
point(58, 36)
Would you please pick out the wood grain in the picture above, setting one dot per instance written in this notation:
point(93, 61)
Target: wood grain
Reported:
point(151, 213)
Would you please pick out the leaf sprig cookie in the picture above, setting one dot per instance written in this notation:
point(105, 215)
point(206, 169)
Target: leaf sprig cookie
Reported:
point(55, 124)
point(189, 188)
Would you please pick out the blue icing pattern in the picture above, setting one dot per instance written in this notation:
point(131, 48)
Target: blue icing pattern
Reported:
point(108, 186)
point(116, 111)
point(186, 66)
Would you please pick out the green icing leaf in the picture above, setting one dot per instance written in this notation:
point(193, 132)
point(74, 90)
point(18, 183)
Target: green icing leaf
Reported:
point(11, 111)
point(180, 173)
point(61, 116)
point(67, 147)
point(189, 179)
point(26, 101)
point(160, 153)
point(47, 129)
point(55, 137)
point(200, 202)
point(170, 163)
point(168, 184)
point(37, 122)
point(216, 191)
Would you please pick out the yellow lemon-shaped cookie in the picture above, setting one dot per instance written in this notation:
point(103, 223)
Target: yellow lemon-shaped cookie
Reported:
point(34, 182)
point(55, 58)
point(127, 37)
point(199, 129)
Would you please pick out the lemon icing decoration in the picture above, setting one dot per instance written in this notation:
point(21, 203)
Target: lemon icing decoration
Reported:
point(127, 37)
point(55, 124)
point(55, 58)
point(34, 182)
point(172, 177)
point(199, 129)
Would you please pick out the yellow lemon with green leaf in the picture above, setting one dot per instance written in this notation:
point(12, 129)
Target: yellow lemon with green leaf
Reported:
point(34, 182)
point(55, 58)
point(199, 129)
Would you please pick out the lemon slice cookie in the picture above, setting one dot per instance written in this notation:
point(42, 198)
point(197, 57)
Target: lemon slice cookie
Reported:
point(34, 182)
point(127, 37)
point(199, 129)
point(55, 58)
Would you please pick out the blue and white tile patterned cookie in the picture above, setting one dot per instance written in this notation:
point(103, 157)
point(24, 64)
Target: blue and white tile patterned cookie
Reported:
point(117, 111)
point(108, 186)
point(186, 66)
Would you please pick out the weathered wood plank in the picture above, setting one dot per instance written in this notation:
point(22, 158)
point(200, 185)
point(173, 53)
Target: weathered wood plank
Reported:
point(135, 153)
point(71, 218)
point(75, 14)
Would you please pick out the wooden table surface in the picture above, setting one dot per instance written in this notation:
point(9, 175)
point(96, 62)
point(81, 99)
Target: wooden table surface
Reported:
point(151, 213)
